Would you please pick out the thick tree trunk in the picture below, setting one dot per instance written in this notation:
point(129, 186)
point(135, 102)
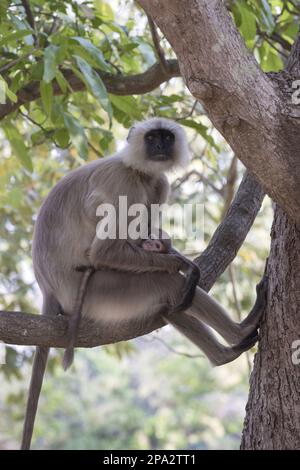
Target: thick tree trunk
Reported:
point(273, 410)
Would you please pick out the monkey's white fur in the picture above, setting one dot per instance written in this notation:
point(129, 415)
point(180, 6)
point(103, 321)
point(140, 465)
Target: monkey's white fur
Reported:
point(135, 158)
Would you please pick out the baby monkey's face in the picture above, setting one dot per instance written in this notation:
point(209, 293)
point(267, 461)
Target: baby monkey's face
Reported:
point(154, 245)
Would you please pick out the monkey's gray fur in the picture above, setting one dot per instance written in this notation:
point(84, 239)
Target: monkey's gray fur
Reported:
point(134, 283)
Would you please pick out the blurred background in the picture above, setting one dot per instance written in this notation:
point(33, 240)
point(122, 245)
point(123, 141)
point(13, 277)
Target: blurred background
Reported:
point(158, 391)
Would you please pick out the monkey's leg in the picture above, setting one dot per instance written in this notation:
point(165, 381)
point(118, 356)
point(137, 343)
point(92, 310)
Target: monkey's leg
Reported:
point(202, 336)
point(50, 307)
point(208, 310)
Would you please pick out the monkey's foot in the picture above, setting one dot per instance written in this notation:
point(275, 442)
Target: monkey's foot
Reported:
point(262, 290)
point(253, 320)
point(247, 343)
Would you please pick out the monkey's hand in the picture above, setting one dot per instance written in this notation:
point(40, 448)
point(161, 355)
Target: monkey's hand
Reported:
point(192, 274)
point(83, 268)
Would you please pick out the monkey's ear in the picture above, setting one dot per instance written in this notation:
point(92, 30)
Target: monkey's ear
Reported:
point(130, 132)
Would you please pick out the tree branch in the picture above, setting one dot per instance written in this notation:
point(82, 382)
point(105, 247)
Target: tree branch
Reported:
point(41, 330)
point(28, 329)
point(29, 14)
point(231, 233)
point(159, 51)
point(116, 84)
point(30, 18)
point(229, 188)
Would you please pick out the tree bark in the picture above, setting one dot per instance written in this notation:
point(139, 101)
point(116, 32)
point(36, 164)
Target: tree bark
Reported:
point(273, 410)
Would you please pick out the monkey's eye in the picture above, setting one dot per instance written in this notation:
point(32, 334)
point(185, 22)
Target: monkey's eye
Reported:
point(168, 137)
point(150, 137)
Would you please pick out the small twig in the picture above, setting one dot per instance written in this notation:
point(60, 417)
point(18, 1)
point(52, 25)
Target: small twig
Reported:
point(30, 18)
point(26, 116)
point(295, 5)
point(117, 69)
point(283, 42)
point(158, 49)
point(190, 113)
point(201, 178)
point(53, 26)
point(14, 62)
point(173, 350)
point(275, 37)
point(47, 133)
point(28, 12)
point(267, 39)
point(287, 8)
point(97, 152)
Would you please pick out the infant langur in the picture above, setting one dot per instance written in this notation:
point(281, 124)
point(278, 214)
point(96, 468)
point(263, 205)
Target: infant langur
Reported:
point(162, 244)
point(155, 244)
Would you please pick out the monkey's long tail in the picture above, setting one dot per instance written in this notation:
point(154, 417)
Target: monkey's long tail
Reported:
point(75, 319)
point(38, 371)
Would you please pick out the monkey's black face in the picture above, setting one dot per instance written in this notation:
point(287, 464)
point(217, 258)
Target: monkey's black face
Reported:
point(159, 145)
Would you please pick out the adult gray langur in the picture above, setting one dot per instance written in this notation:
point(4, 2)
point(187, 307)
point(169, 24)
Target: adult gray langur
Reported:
point(128, 280)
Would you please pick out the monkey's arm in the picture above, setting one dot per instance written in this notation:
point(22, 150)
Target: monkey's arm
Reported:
point(125, 255)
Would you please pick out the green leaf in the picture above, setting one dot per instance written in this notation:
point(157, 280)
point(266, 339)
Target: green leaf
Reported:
point(95, 84)
point(113, 26)
point(127, 104)
point(62, 82)
point(11, 95)
point(267, 17)
point(77, 134)
point(12, 37)
point(15, 197)
point(46, 96)
point(50, 63)
point(91, 53)
point(3, 86)
point(201, 129)
point(37, 71)
point(5, 91)
point(236, 15)
point(104, 10)
point(62, 137)
point(147, 51)
point(271, 62)
point(248, 25)
point(37, 137)
point(57, 114)
point(16, 141)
